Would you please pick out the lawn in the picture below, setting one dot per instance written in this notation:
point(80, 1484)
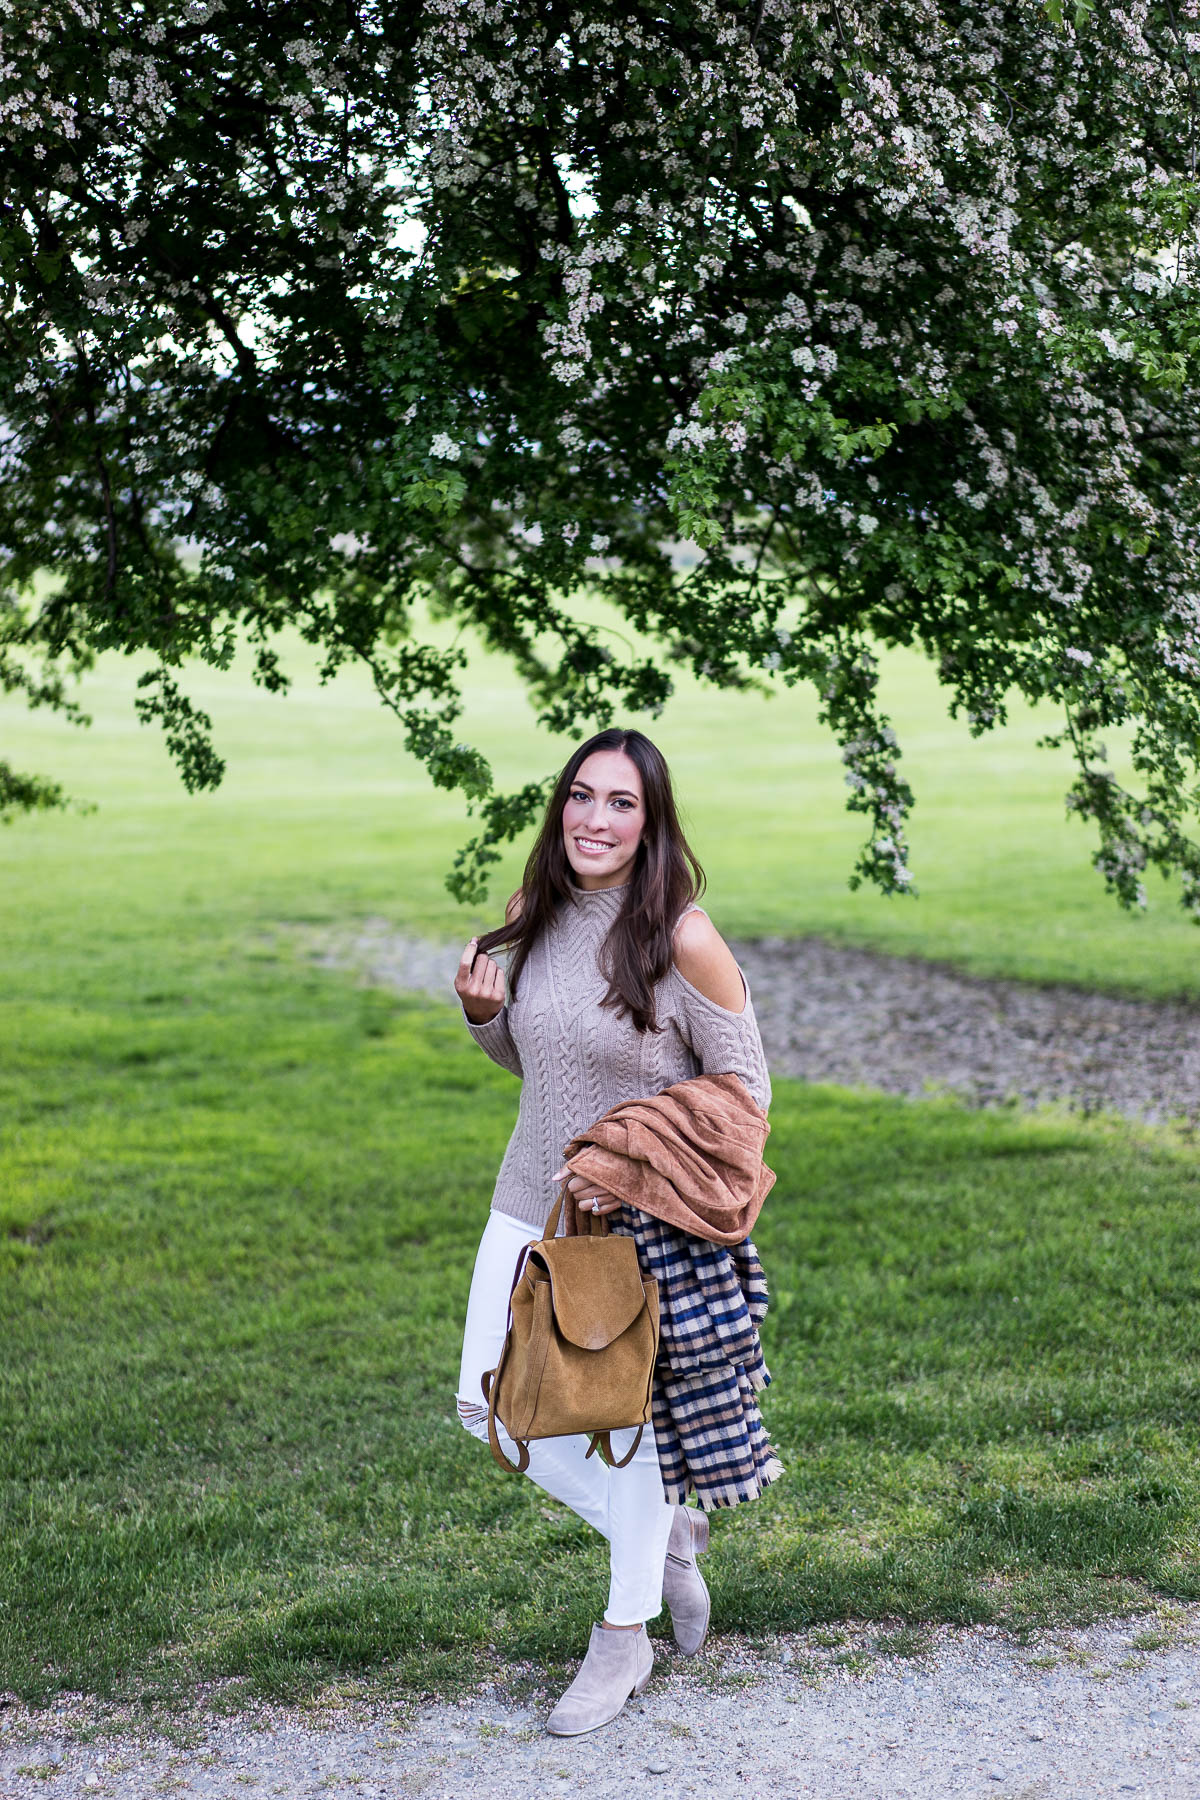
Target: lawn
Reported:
point(239, 1199)
point(323, 816)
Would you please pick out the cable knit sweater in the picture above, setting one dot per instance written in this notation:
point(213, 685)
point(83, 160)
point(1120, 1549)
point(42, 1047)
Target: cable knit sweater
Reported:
point(577, 1058)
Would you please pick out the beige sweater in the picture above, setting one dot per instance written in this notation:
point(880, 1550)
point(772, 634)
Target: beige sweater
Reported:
point(576, 1059)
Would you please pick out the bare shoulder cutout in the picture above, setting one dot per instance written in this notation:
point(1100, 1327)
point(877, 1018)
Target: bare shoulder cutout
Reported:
point(707, 963)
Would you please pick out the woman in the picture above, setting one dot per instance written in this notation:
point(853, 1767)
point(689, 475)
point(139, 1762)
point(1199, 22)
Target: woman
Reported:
point(618, 986)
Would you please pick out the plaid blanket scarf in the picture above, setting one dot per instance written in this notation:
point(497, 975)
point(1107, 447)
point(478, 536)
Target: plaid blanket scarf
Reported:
point(712, 1298)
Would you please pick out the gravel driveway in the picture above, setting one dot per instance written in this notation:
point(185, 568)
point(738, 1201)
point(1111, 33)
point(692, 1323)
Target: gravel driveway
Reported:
point(1078, 1715)
point(899, 1023)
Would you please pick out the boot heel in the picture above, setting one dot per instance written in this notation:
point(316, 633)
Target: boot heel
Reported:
point(643, 1683)
point(699, 1532)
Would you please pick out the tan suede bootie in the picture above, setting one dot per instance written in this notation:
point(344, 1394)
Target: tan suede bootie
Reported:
point(618, 1664)
point(684, 1587)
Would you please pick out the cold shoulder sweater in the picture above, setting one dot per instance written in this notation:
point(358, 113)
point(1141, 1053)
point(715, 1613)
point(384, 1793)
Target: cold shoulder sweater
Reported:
point(577, 1058)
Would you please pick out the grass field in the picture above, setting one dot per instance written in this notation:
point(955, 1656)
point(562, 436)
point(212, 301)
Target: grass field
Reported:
point(239, 1200)
point(323, 816)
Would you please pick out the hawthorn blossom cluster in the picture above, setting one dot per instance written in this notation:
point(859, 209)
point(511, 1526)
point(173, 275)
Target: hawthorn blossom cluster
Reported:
point(890, 311)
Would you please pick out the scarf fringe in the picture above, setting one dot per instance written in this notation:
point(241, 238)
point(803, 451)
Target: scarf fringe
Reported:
point(710, 1499)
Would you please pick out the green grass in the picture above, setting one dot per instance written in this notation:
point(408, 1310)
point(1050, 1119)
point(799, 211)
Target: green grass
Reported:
point(239, 1200)
point(322, 816)
point(237, 1234)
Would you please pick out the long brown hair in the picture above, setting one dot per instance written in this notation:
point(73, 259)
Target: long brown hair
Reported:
point(666, 877)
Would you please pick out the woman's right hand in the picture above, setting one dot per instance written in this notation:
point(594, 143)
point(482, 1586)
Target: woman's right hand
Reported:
point(479, 984)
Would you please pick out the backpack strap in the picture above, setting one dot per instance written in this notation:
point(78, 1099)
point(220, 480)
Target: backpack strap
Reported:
point(489, 1394)
point(490, 1381)
point(602, 1442)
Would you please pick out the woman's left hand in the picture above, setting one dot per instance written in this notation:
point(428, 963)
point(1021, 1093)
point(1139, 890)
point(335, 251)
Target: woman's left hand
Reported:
point(588, 1197)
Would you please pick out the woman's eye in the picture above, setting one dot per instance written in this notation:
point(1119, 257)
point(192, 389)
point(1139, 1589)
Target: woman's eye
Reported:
point(585, 799)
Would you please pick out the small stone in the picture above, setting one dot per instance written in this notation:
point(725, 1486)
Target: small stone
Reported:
point(787, 1654)
point(658, 1766)
point(995, 1774)
point(1037, 1737)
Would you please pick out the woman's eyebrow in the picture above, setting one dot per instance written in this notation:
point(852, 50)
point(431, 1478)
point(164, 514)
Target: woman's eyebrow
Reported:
point(616, 793)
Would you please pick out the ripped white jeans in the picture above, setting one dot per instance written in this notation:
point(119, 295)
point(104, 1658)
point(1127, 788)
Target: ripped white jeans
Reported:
point(625, 1505)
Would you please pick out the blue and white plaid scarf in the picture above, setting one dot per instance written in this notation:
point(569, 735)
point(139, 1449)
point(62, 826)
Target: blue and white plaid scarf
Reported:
point(712, 1299)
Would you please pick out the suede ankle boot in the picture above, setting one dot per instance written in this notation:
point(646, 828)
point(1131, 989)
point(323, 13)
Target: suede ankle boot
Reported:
point(618, 1664)
point(684, 1588)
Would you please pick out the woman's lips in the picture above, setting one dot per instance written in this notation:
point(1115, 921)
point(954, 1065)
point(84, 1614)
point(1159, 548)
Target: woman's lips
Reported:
point(592, 846)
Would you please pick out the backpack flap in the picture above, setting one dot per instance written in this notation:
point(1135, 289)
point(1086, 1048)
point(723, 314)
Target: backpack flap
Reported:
point(595, 1285)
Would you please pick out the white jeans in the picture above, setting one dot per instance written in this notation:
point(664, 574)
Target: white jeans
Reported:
point(625, 1505)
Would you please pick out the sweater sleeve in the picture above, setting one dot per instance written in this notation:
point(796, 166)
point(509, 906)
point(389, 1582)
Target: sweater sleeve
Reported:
point(723, 1042)
point(496, 1040)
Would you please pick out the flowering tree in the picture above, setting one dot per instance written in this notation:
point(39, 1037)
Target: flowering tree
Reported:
point(891, 309)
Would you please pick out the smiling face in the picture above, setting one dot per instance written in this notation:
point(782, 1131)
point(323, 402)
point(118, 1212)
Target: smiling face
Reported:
point(603, 819)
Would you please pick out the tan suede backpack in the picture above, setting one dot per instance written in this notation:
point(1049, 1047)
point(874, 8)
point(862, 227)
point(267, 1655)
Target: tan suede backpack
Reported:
point(581, 1343)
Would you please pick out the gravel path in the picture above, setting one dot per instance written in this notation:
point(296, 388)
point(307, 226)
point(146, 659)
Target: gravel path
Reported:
point(1077, 1716)
point(901, 1024)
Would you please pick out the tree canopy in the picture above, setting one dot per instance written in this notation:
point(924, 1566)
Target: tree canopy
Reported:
point(315, 316)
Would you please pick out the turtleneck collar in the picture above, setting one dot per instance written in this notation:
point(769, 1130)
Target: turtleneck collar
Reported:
point(591, 896)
